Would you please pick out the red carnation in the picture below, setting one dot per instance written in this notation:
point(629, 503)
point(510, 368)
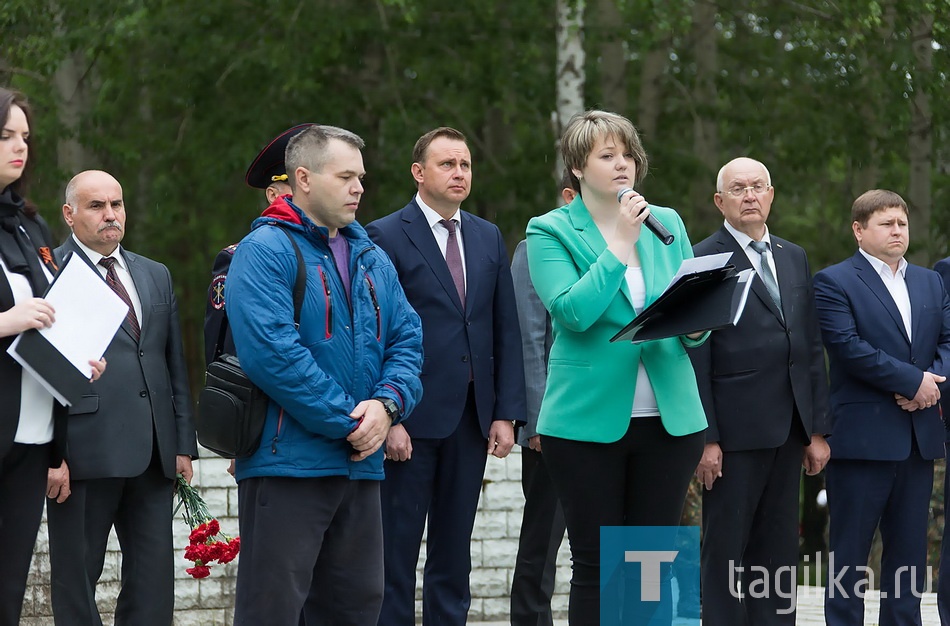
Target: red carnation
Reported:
point(199, 571)
point(231, 551)
point(207, 543)
point(200, 534)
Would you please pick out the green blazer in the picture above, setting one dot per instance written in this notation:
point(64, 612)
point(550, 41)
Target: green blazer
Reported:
point(589, 391)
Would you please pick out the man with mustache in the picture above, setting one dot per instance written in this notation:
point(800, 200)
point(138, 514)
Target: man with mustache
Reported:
point(127, 437)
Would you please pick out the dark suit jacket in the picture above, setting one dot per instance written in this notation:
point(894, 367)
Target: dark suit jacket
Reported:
point(143, 391)
point(483, 338)
point(753, 376)
point(536, 340)
point(871, 359)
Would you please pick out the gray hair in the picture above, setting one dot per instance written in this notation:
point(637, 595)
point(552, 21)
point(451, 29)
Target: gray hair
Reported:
point(308, 148)
point(721, 175)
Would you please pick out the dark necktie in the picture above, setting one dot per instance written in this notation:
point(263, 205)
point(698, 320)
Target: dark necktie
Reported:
point(766, 274)
point(453, 259)
point(113, 279)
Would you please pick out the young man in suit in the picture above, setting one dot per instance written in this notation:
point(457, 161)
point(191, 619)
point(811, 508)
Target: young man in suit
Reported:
point(128, 437)
point(454, 269)
point(886, 326)
point(542, 525)
point(765, 394)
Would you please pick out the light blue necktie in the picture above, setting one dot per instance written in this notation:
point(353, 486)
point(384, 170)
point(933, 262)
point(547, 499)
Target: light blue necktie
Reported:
point(766, 273)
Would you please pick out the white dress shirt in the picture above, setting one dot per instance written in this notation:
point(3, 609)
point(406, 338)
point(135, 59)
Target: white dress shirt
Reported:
point(896, 285)
point(441, 233)
point(120, 270)
point(754, 257)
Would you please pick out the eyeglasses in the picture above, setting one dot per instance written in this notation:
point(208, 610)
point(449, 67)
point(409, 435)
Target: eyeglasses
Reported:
point(758, 189)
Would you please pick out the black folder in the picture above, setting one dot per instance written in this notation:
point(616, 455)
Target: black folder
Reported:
point(35, 351)
point(52, 366)
point(696, 302)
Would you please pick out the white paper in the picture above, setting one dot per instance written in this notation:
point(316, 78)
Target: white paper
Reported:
point(700, 264)
point(745, 279)
point(88, 314)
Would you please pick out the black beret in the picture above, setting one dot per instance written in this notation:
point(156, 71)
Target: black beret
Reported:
point(269, 163)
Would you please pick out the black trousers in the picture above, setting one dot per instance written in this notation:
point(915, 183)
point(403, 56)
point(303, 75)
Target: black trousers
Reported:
point(862, 496)
point(311, 552)
point(542, 529)
point(750, 527)
point(640, 480)
point(22, 490)
point(436, 491)
point(140, 509)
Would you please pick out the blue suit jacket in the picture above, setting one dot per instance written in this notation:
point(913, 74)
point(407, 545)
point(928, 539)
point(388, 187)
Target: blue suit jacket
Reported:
point(483, 339)
point(871, 359)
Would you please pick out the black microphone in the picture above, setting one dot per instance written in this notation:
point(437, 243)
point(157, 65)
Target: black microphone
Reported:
point(651, 222)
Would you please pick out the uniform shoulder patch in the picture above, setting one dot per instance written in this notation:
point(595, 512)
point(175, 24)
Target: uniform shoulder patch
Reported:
point(216, 292)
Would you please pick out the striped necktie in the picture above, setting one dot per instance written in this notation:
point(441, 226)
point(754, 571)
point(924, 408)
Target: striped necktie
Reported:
point(113, 280)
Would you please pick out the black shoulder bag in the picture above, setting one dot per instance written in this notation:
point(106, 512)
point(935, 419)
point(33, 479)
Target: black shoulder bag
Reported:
point(232, 409)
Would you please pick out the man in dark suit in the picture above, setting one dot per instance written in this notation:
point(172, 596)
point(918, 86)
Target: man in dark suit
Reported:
point(454, 269)
point(886, 326)
point(765, 394)
point(128, 437)
point(943, 578)
point(542, 525)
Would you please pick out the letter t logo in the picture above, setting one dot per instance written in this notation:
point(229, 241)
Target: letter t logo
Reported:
point(649, 561)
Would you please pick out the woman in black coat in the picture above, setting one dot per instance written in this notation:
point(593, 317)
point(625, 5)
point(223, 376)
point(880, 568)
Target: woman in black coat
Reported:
point(27, 410)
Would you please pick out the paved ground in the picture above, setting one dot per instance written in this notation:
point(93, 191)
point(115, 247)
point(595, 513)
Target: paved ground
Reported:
point(810, 610)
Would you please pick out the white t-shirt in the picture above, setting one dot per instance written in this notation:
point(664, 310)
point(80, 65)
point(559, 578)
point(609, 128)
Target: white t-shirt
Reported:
point(644, 400)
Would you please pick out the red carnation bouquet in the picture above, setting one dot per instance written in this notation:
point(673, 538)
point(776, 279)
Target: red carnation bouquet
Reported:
point(207, 543)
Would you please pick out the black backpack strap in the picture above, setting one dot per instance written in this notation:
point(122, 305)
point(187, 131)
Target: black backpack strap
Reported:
point(300, 285)
point(300, 290)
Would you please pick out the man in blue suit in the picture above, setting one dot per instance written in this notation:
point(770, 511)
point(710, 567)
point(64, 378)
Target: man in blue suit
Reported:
point(943, 578)
point(886, 326)
point(453, 267)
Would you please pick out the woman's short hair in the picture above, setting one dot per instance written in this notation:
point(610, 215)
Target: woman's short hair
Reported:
point(584, 129)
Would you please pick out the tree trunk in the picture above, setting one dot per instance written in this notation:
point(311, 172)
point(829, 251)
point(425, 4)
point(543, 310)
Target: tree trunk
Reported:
point(613, 56)
point(71, 156)
point(705, 122)
point(650, 102)
point(570, 74)
point(920, 141)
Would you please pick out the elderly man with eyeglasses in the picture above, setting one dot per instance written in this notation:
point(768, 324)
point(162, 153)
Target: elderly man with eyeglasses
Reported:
point(765, 394)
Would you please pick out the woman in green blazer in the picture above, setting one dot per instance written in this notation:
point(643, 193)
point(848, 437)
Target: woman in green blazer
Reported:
point(621, 423)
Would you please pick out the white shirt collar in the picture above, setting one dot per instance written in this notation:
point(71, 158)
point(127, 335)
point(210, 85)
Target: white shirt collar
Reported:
point(433, 217)
point(743, 239)
point(95, 256)
point(883, 268)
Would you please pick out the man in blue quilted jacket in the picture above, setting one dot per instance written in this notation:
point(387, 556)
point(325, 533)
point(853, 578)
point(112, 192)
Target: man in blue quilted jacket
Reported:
point(309, 501)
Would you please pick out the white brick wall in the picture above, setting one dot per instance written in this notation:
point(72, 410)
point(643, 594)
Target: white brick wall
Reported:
point(210, 601)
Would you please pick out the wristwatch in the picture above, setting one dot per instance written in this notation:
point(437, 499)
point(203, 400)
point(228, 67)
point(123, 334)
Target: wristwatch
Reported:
point(392, 409)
